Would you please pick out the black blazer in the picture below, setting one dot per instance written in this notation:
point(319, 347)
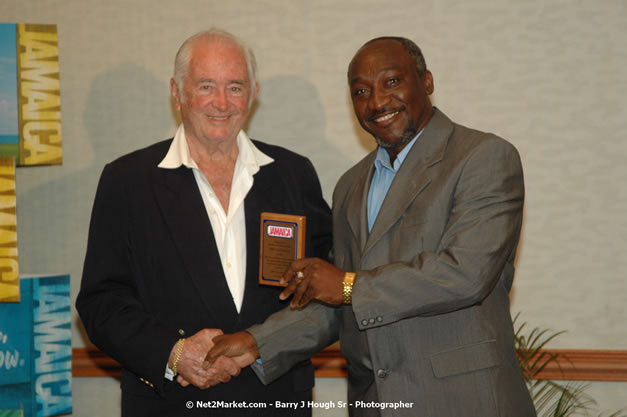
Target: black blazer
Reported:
point(152, 274)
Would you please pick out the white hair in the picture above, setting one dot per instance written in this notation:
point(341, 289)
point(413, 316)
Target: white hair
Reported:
point(184, 56)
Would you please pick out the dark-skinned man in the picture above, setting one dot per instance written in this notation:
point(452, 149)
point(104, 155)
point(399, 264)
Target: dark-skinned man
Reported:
point(425, 234)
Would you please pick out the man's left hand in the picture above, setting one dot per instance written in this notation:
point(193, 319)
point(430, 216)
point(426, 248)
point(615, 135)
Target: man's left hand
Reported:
point(312, 279)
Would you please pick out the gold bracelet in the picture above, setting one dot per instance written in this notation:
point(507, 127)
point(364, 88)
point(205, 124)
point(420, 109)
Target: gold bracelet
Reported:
point(177, 355)
point(347, 294)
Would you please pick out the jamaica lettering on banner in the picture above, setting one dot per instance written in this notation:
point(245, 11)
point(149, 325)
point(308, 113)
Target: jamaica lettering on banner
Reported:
point(39, 95)
point(36, 350)
point(35, 326)
point(9, 277)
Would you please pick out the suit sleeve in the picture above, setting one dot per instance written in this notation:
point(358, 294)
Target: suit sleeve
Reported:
point(476, 245)
point(108, 301)
point(288, 337)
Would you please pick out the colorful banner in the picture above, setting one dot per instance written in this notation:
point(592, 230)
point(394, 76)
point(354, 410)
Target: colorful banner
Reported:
point(9, 274)
point(9, 137)
point(30, 94)
point(36, 350)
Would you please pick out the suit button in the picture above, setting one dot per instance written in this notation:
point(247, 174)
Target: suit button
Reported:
point(379, 319)
point(382, 373)
point(371, 321)
point(364, 322)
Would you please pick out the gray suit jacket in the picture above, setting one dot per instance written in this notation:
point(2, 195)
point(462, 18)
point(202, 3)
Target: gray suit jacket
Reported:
point(430, 321)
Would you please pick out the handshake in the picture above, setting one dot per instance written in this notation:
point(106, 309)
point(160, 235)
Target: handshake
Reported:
point(210, 357)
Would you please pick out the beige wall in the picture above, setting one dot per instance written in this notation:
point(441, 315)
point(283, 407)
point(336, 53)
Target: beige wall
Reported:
point(548, 76)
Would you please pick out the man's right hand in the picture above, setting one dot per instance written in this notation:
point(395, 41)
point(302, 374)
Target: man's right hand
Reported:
point(190, 364)
point(240, 346)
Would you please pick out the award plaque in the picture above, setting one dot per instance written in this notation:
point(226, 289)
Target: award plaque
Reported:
point(282, 241)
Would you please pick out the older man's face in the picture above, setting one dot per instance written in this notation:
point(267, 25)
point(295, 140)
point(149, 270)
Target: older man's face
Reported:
point(391, 101)
point(216, 92)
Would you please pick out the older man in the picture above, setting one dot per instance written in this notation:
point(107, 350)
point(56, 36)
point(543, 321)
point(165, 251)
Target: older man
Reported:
point(173, 249)
point(425, 233)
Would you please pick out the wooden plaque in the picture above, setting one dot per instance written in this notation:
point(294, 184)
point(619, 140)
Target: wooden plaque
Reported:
point(282, 241)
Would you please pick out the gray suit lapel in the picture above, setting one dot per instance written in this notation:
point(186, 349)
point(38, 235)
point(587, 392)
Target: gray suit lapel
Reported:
point(413, 177)
point(358, 200)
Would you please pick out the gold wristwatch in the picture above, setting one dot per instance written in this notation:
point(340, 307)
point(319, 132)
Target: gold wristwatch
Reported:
point(349, 280)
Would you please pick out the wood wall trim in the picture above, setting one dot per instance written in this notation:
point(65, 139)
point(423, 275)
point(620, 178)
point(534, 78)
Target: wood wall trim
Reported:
point(587, 365)
point(91, 362)
point(572, 364)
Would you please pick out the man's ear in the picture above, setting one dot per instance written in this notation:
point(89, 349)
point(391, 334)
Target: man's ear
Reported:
point(427, 80)
point(174, 90)
point(254, 93)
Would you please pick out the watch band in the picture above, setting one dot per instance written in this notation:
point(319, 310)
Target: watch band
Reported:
point(347, 294)
point(177, 355)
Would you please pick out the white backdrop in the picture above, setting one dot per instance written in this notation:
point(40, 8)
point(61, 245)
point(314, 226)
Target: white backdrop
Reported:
point(547, 76)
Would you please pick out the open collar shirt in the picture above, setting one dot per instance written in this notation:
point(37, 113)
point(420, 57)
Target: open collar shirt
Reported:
point(229, 229)
point(384, 173)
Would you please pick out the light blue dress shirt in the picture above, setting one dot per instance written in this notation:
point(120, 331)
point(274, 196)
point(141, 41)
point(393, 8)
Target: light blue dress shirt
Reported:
point(384, 173)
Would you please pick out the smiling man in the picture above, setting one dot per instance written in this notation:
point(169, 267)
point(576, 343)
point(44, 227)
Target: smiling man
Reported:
point(391, 96)
point(173, 250)
point(425, 234)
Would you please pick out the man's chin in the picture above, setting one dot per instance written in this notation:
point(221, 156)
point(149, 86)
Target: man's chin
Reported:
point(395, 143)
point(384, 143)
point(388, 143)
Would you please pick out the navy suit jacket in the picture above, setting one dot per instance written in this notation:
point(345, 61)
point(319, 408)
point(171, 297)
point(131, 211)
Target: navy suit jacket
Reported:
point(152, 274)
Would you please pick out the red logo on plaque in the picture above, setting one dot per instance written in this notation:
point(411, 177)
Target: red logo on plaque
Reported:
point(278, 231)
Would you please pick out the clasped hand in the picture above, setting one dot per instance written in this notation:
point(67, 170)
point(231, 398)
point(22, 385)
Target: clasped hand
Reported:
point(192, 368)
point(210, 357)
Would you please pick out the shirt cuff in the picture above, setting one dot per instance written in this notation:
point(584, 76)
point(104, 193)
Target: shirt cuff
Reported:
point(169, 373)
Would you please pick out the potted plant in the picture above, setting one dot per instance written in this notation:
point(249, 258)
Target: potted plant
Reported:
point(550, 398)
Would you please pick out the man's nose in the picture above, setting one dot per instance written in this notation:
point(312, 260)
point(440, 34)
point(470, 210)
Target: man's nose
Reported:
point(220, 100)
point(378, 99)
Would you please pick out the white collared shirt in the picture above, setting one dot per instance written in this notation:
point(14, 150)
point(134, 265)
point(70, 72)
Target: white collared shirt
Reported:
point(229, 229)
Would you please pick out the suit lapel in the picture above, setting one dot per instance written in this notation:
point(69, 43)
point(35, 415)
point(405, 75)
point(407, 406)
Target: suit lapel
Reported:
point(357, 201)
point(413, 177)
point(253, 204)
point(185, 216)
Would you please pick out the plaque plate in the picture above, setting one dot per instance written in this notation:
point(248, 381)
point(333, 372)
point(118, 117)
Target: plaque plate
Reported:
point(282, 241)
